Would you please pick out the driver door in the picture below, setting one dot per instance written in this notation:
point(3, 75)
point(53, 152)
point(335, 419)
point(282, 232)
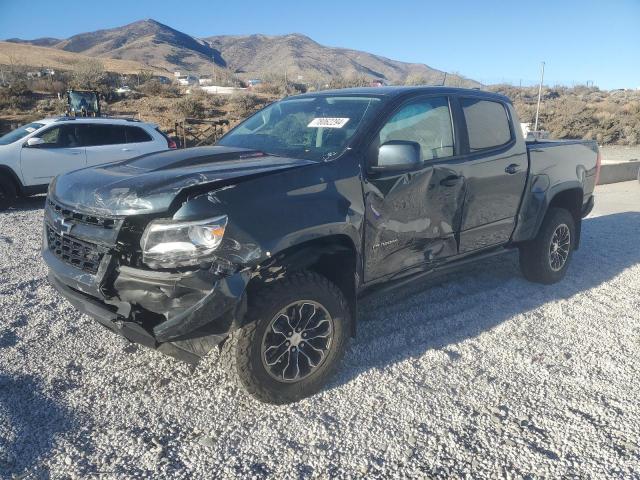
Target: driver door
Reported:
point(60, 152)
point(413, 217)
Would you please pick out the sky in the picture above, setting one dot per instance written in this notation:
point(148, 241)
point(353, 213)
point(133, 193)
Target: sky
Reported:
point(489, 41)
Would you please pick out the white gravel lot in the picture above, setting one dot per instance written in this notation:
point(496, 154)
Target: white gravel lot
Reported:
point(484, 375)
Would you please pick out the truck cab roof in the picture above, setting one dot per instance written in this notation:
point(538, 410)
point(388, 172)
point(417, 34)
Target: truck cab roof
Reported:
point(397, 91)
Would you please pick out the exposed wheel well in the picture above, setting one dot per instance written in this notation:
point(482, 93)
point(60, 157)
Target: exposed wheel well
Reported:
point(333, 257)
point(570, 200)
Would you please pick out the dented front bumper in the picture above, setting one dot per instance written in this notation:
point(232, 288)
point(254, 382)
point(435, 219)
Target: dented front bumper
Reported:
point(183, 314)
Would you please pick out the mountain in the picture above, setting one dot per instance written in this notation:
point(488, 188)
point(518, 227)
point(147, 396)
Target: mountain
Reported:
point(38, 42)
point(162, 47)
point(298, 54)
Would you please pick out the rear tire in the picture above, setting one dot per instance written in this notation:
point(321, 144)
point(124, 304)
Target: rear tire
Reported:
point(545, 259)
point(8, 193)
point(274, 357)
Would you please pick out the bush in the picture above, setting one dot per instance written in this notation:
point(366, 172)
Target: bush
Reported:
point(190, 107)
point(17, 96)
point(242, 105)
point(580, 112)
point(153, 88)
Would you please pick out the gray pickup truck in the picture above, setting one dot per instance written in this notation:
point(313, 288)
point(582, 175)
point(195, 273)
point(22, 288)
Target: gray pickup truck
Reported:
point(264, 243)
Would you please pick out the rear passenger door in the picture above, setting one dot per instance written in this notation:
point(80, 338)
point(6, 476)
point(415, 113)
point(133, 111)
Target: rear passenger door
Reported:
point(106, 143)
point(495, 172)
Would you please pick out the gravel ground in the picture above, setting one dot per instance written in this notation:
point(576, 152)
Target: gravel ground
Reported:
point(484, 375)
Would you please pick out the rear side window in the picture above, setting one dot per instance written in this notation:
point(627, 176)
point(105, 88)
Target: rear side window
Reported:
point(96, 135)
point(487, 123)
point(137, 135)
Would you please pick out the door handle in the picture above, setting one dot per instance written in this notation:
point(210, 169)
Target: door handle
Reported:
point(76, 153)
point(450, 181)
point(126, 150)
point(513, 168)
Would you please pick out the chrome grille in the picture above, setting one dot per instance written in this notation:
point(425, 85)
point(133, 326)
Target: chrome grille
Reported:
point(81, 217)
point(77, 253)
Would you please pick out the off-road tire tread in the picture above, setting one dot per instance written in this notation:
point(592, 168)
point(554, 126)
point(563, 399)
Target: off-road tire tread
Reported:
point(534, 262)
point(235, 353)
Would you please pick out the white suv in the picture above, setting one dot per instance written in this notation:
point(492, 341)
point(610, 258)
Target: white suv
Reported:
point(32, 155)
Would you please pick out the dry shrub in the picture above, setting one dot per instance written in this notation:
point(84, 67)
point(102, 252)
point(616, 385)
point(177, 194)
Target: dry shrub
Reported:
point(190, 107)
point(580, 112)
point(17, 96)
point(154, 88)
point(241, 105)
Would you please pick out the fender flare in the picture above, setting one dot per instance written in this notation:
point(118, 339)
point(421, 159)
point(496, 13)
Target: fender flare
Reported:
point(536, 205)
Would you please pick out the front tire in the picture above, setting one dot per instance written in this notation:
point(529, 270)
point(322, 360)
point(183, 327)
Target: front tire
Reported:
point(545, 259)
point(295, 337)
point(8, 193)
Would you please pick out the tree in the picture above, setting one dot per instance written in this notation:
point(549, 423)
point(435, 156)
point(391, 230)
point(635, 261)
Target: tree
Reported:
point(90, 75)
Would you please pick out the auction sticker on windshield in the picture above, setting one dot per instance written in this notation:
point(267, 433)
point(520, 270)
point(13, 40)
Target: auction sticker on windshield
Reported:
point(328, 122)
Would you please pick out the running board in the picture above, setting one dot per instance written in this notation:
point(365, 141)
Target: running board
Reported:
point(446, 268)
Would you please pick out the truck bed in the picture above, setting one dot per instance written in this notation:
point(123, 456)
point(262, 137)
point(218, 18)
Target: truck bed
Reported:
point(562, 160)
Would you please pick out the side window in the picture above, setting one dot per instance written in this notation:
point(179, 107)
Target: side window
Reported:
point(114, 135)
point(97, 135)
point(426, 121)
point(51, 137)
point(487, 123)
point(137, 135)
point(63, 136)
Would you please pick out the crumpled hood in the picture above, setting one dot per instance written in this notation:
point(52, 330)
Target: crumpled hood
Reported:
point(149, 183)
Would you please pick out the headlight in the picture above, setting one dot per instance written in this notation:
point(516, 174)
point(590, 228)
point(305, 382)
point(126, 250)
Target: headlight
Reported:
point(168, 244)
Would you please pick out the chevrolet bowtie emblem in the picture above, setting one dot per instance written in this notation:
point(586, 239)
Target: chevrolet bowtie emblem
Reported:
point(63, 226)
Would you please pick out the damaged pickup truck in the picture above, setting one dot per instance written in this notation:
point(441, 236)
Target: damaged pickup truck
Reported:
point(263, 244)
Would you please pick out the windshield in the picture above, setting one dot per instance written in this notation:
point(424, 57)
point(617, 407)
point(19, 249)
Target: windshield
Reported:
point(312, 128)
point(19, 133)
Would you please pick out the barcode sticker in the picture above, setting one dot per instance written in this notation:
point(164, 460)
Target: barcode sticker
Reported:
point(326, 122)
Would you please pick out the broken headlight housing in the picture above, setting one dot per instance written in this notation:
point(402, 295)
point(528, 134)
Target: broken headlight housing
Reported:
point(170, 244)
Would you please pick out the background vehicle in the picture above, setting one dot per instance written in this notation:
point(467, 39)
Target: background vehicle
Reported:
point(32, 155)
point(83, 103)
point(264, 243)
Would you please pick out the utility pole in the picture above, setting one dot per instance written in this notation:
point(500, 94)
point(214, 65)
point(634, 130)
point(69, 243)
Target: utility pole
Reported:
point(213, 59)
point(444, 80)
point(535, 128)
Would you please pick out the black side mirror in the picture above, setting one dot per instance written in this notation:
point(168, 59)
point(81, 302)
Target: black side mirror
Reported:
point(397, 155)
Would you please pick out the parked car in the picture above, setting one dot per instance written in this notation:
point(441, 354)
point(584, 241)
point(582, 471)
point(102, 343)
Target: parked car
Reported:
point(30, 156)
point(264, 243)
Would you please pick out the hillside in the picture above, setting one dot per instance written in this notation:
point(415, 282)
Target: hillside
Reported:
point(23, 54)
point(162, 47)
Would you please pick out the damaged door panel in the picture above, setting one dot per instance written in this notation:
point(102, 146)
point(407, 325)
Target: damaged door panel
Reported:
point(412, 220)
